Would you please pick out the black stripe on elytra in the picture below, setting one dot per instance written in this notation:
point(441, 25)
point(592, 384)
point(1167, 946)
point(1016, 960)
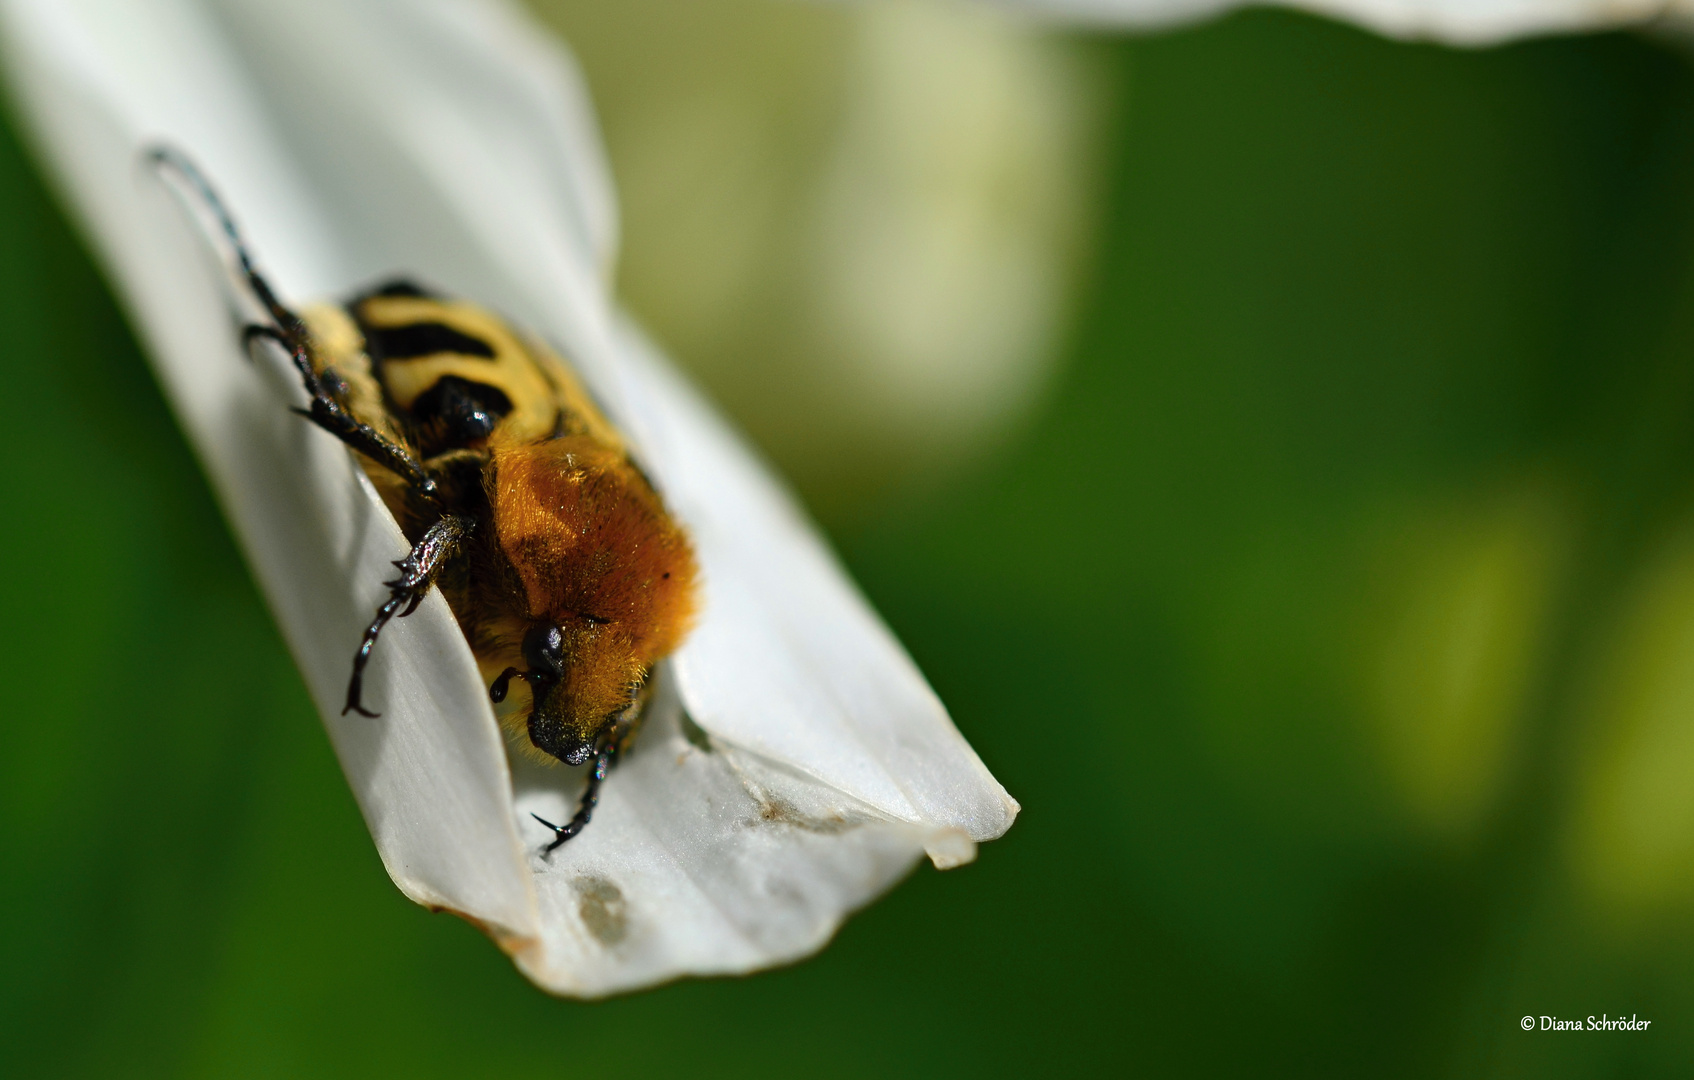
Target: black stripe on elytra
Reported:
point(456, 412)
point(422, 339)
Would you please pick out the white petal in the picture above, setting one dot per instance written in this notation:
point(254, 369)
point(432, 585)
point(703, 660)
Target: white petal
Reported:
point(101, 79)
point(448, 141)
point(1460, 22)
point(442, 139)
point(790, 661)
point(699, 860)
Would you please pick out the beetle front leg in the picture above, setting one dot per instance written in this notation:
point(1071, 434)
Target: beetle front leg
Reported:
point(417, 574)
point(616, 742)
point(603, 761)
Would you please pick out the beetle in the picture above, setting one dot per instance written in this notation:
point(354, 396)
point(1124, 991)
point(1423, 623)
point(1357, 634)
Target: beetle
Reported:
point(521, 501)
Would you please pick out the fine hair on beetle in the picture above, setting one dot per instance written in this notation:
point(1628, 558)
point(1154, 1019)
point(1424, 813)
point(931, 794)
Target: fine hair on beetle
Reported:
point(521, 501)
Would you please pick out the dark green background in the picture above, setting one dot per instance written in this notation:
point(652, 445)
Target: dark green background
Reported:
point(1336, 273)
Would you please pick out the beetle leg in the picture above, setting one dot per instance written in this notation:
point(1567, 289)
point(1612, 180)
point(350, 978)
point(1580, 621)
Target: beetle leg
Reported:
point(164, 156)
point(417, 575)
point(289, 331)
point(260, 332)
point(327, 412)
point(333, 417)
point(617, 742)
point(603, 762)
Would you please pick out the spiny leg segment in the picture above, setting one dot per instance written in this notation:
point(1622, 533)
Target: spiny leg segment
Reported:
point(417, 575)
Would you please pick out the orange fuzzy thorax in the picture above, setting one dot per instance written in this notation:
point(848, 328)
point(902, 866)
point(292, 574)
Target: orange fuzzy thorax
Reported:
point(598, 556)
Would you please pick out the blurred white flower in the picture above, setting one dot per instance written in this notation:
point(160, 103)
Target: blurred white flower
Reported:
point(796, 763)
point(859, 224)
point(1456, 22)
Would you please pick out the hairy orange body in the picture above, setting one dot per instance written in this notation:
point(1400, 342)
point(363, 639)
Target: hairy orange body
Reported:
point(598, 556)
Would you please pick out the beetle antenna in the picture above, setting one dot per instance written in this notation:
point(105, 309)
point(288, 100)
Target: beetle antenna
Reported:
point(497, 692)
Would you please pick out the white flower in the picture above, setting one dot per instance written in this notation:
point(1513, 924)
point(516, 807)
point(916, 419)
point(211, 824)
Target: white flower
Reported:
point(1457, 22)
point(446, 139)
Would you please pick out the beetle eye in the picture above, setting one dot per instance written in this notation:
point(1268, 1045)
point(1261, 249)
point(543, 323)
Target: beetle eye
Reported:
point(544, 649)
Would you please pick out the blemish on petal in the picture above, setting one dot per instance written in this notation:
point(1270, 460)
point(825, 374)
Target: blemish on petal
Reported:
point(774, 811)
point(601, 906)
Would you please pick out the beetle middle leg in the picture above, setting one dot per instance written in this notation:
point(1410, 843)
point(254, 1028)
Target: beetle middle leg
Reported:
point(417, 574)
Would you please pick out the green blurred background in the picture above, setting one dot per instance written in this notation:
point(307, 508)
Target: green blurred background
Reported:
point(1330, 611)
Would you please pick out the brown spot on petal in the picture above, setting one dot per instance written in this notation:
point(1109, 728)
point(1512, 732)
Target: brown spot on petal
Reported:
point(601, 905)
point(781, 812)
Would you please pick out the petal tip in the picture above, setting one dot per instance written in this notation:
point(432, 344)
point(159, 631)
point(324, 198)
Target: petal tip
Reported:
point(949, 848)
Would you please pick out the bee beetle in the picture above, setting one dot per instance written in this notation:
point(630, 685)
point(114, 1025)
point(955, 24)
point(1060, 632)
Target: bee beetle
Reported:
point(520, 500)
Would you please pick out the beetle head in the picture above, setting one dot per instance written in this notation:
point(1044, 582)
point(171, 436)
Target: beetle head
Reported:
point(582, 676)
